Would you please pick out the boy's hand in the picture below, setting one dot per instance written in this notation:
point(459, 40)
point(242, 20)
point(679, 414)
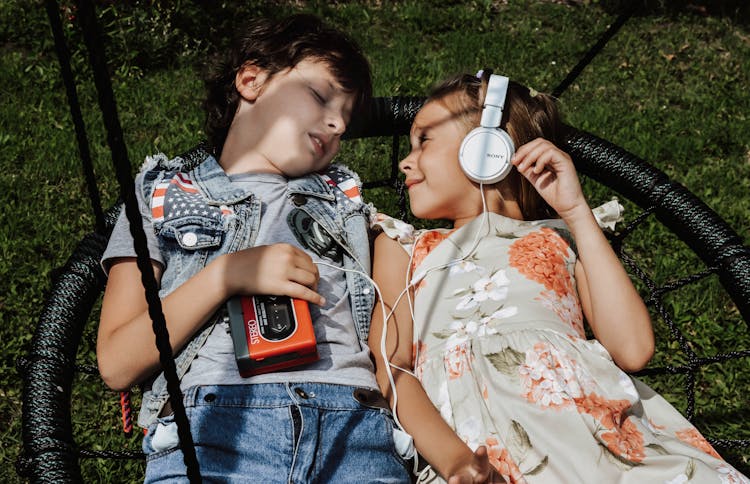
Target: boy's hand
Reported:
point(278, 269)
point(552, 173)
point(478, 470)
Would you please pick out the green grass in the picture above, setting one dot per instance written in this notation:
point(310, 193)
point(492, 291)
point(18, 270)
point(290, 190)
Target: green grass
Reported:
point(670, 87)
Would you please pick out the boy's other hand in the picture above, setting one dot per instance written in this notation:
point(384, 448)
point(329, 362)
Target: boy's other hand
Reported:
point(278, 269)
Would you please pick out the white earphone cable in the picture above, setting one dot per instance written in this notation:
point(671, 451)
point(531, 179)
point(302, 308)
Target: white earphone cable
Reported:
point(408, 284)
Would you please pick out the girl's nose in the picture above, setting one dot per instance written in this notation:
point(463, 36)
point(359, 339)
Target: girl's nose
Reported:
point(407, 163)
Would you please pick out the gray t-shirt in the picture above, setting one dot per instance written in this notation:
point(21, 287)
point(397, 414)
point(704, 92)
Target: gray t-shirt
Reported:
point(342, 359)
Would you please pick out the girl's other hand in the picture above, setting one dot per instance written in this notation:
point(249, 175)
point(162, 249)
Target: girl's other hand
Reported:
point(552, 173)
point(478, 470)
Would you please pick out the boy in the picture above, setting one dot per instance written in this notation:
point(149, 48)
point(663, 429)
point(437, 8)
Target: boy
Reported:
point(264, 214)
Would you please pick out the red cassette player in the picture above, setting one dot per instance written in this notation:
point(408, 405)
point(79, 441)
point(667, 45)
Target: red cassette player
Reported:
point(271, 333)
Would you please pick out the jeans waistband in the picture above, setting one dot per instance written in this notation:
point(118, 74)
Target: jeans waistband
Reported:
point(320, 395)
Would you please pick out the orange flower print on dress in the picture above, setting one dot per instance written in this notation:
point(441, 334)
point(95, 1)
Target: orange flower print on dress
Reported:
point(625, 441)
point(622, 436)
point(609, 413)
point(503, 463)
point(730, 475)
point(567, 308)
point(539, 256)
point(693, 437)
point(456, 361)
point(424, 245)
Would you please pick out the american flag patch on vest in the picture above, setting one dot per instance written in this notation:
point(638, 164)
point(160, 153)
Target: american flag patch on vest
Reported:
point(344, 182)
point(178, 196)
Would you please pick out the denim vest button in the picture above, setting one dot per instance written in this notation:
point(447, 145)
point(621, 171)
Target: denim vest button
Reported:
point(299, 200)
point(210, 397)
point(190, 239)
point(301, 393)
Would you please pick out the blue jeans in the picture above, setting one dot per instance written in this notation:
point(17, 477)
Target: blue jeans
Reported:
point(280, 433)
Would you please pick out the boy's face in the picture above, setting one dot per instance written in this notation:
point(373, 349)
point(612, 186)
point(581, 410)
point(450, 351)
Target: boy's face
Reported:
point(293, 123)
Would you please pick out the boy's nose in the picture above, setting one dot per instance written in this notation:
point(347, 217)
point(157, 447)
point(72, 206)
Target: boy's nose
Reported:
point(336, 123)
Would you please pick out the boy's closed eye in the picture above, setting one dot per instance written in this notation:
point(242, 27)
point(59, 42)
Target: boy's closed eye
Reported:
point(325, 94)
point(319, 97)
point(321, 89)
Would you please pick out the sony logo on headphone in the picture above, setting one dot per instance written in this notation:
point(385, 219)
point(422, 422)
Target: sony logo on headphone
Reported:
point(494, 155)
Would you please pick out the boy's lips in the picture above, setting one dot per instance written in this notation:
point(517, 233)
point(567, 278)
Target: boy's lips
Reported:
point(411, 182)
point(319, 144)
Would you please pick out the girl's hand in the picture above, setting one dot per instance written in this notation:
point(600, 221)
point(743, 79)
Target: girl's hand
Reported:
point(478, 470)
point(552, 173)
point(278, 269)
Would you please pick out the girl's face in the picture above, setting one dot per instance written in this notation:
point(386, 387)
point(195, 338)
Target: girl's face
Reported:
point(438, 188)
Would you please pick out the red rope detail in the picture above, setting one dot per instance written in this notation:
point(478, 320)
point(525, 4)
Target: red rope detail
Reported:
point(127, 413)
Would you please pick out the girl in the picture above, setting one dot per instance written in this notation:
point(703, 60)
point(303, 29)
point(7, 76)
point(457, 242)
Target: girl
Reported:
point(504, 386)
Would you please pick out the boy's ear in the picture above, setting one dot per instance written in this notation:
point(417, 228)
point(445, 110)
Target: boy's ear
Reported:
point(249, 81)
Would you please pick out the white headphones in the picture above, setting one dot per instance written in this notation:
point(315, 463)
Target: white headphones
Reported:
point(486, 151)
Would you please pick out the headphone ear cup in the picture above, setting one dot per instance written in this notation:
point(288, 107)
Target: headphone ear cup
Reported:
point(485, 155)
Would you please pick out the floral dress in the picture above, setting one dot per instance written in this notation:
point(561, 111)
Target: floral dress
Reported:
point(500, 349)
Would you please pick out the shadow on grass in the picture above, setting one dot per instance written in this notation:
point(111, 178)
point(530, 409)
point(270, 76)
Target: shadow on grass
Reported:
point(736, 10)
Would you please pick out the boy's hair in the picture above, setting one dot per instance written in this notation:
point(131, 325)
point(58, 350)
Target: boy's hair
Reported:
point(525, 118)
point(276, 45)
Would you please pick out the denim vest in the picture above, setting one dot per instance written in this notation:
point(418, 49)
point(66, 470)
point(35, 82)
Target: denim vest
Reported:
point(226, 220)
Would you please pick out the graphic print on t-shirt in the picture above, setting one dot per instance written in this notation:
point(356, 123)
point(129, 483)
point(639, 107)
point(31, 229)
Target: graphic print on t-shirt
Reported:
point(312, 236)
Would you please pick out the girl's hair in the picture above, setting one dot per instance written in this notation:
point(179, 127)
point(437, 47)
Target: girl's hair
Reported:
point(526, 116)
point(276, 45)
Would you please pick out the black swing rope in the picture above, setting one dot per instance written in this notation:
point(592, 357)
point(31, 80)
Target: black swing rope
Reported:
point(594, 50)
point(108, 107)
point(63, 55)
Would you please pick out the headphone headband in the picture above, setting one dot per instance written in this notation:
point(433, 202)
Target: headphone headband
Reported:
point(494, 101)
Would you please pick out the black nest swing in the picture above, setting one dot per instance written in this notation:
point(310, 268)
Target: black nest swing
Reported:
point(50, 452)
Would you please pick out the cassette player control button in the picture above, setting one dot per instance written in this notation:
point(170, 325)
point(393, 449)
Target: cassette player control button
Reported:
point(301, 393)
